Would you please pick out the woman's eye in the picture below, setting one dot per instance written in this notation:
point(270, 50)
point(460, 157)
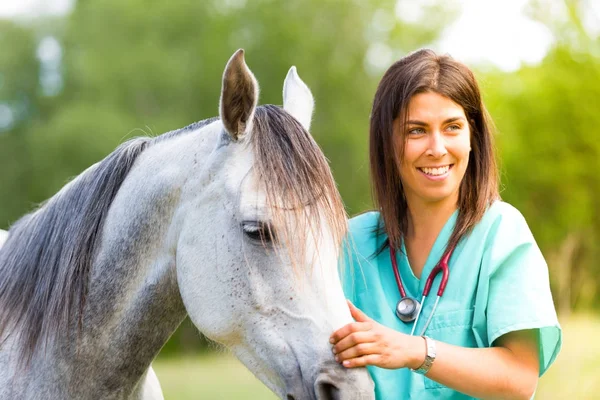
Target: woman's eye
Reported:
point(416, 131)
point(258, 231)
point(453, 127)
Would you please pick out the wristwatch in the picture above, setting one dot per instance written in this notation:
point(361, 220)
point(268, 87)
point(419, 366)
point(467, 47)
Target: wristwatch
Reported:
point(429, 357)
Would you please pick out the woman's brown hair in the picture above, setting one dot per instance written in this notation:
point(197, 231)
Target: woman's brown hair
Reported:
point(419, 72)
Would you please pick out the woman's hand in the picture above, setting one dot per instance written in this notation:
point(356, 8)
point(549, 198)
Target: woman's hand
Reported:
point(366, 342)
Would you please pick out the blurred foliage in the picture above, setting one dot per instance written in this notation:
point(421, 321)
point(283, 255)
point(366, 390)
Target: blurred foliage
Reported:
point(18, 101)
point(548, 135)
point(143, 67)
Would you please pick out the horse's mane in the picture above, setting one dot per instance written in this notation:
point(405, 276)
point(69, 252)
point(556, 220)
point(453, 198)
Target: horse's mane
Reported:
point(45, 263)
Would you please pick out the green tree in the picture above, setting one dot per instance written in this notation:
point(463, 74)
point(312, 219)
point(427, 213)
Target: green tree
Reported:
point(18, 105)
point(549, 131)
point(144, 66)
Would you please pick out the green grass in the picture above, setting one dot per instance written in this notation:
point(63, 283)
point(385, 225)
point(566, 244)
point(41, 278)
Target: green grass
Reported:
point(208, 377)
point(575, 374)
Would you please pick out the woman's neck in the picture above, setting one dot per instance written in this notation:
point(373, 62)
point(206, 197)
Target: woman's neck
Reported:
point(426, 220)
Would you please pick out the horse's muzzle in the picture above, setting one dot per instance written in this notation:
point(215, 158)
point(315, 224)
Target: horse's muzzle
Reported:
point(334, 382)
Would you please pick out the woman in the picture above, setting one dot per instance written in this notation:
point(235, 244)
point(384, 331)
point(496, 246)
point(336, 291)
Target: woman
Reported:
point(494, 330)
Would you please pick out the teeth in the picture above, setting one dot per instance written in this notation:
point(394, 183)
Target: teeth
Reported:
point(436, 171)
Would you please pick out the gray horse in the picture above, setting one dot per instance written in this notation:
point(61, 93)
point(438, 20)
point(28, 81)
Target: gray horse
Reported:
point(235, 221)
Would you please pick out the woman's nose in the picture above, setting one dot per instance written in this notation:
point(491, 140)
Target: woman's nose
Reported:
point(437, 145)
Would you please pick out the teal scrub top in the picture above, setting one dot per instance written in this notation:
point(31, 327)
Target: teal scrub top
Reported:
point(498, 283)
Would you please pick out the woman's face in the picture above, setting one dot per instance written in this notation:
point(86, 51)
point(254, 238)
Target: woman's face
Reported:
point(437, 145)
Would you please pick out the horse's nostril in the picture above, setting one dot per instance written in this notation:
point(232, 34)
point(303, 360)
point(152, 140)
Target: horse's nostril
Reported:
point(327, 391)
point(290, 397)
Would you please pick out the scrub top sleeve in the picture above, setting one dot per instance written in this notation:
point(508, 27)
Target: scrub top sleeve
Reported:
point(519, 294)
point(358, 246)
point(346, 267)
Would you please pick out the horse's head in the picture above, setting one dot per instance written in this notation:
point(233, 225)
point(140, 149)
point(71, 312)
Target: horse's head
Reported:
point(258, 250)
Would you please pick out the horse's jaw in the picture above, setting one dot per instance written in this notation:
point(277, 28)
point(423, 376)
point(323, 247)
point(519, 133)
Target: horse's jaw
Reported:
point(276, 323)
point(283, 321)
point(298, 363)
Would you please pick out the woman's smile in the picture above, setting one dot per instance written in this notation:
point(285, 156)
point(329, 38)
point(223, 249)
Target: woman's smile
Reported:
point(437, 173)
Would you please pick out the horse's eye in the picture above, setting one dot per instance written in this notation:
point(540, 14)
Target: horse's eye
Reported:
point(258, 231)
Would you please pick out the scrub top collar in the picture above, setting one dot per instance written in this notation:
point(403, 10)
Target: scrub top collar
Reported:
point(413, 285)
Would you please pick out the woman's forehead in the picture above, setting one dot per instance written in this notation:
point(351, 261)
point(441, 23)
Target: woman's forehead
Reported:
point(432, 107)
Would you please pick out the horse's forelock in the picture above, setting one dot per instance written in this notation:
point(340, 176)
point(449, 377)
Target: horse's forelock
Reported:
point(297, 178)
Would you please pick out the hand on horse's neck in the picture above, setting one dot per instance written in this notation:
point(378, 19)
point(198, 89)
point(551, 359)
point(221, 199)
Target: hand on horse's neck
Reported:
point(425, 222)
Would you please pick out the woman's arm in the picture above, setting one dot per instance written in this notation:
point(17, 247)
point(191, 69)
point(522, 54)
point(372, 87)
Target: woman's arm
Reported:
point(507, 371)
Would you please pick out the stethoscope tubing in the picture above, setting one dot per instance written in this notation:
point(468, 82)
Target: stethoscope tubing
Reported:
point(412, 331)
point(443, 267)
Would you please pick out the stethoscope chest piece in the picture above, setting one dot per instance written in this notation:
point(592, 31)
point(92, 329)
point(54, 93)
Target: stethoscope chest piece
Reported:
point(407, 309)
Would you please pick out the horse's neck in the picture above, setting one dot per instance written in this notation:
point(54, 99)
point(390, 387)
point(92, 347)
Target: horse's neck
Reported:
point(133, 304)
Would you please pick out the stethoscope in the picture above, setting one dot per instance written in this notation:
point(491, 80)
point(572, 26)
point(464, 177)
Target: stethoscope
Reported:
point(409, 309)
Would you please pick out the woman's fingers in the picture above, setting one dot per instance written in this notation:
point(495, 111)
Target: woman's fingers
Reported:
point(363, 361)
point(353, 339)
point(358, 350)
point(349, 329)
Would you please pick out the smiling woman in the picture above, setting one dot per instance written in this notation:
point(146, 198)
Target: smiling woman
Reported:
point(492, 328)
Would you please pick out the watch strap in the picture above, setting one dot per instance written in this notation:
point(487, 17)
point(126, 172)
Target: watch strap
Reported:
point(429, 357)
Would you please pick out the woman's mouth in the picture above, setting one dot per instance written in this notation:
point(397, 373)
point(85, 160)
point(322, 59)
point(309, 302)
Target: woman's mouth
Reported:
point(436, 173)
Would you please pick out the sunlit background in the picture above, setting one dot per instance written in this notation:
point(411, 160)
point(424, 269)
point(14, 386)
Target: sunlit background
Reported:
point(79, 77)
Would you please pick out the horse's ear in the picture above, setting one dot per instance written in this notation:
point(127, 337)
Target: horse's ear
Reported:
point(239, 96)
point(297, 99)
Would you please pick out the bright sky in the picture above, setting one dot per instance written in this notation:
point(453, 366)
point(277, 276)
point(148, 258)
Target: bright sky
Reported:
point(27, 8)
point(487, 31)
point(497, 32)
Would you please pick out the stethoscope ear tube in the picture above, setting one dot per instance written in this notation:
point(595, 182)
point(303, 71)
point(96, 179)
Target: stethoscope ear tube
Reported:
point(442, 266)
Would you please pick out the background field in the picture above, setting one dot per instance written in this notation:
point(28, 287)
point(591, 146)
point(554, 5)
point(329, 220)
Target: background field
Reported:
point(575, 375)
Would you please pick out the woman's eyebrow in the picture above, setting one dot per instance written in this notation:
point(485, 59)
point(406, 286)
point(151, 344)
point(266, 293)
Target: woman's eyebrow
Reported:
point(453, 119)
point(415, 122)
point(446, 121)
